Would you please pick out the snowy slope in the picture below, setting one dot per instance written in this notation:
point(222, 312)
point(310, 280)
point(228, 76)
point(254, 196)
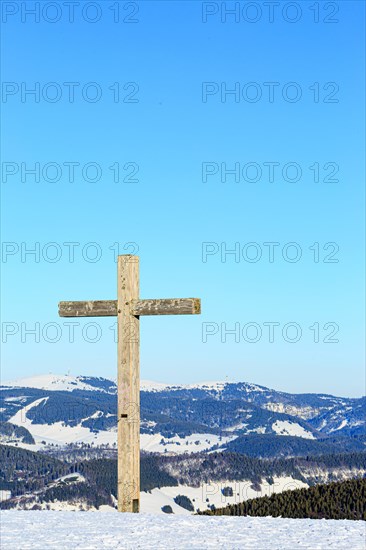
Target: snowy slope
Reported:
point(205, 495)
point(284, 427)
point(61, 434)
point(67, 382)
point(58, 432)
point(53, 382)
point(156, 443)
point(97, 531)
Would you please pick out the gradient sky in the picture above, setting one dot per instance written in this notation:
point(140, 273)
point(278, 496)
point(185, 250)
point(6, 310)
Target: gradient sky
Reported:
point(170, 129)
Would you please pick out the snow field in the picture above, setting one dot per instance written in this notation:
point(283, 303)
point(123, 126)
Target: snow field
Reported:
point(61, 434)
point(31, 530)
point(242, 490)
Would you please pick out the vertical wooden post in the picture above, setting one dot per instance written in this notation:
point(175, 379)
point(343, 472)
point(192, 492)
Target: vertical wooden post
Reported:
point(128, 386)
point(128, 308)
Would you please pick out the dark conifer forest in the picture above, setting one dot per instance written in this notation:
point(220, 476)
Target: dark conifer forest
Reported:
point(341, 500)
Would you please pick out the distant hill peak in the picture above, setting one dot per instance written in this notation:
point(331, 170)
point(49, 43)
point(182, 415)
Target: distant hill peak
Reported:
point(54, 382)
point(68, 382)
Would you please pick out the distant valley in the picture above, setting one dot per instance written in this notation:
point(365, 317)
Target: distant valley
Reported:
point(204, 446)
point(58, 410)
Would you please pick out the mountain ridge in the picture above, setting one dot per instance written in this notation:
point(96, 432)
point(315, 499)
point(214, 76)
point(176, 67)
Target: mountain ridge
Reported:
point(65, 409)
point(68, 382)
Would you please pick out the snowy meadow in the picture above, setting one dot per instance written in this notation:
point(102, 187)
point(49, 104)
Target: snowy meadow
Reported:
point(35, 530)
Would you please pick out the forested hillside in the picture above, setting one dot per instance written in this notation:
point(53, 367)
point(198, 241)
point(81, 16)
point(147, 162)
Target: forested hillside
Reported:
point(22, 471)
point(35, 478)
point(342, 500)
point(10, 432)
point(270, 446)
point(240, 417)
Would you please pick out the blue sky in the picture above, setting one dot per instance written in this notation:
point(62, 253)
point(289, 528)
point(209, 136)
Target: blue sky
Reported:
point(171, 125)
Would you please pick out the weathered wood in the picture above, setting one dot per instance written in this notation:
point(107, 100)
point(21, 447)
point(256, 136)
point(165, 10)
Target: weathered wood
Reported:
point(94, 308)
point(128, 309)
point(171, 306)
point(128, 382)
point(108, 308)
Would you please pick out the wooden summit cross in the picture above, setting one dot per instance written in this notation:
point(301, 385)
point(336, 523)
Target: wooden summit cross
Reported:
point(128, 308)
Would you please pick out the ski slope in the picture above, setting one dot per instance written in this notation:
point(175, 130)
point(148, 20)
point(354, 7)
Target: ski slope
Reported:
point(31, 530)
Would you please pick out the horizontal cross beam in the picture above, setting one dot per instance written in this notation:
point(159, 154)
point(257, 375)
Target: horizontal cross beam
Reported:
point(108, 308)
point(95, 308)
point(170, 306)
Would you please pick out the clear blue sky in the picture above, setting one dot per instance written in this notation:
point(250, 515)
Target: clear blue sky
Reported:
point(168, 125)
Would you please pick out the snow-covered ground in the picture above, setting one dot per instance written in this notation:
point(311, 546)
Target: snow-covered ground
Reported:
point(202, 497)
point(61, 434)
point(58, 432)
point(285, 427)
point(211, 493)
point(156, 443)
point(68, 382)
point(30, 530)
point(4, 495)
point(53, 382)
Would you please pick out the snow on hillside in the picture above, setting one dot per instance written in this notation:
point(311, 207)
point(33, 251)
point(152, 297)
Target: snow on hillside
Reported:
point(156, 443)
point(149, 385)
point(342, 424)
point(61, 434)
point(67, 382)
point(37, 530)
point(152, 502)
point(4, 495)
point(305, 412)
point(50, 382)
point(284, 427)
point(211, 493)
point(212, 404)
point(218, 386)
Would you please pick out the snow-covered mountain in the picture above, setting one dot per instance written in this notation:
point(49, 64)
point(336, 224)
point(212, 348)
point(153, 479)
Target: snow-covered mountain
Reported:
point(61, 409)
point(67, 382)
point(62, 382)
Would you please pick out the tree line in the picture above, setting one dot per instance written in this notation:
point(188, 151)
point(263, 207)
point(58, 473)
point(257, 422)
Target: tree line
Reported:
point(338, 500)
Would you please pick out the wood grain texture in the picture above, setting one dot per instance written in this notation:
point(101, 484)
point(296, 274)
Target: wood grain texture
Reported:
point(128, 308)
point(109, 308)
point(92, 308)
point(170, 306)
point(128, 383)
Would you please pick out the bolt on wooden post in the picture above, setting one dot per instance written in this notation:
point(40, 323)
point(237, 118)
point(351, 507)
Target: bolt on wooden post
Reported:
point(128, 308)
